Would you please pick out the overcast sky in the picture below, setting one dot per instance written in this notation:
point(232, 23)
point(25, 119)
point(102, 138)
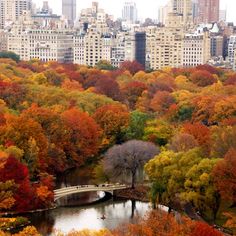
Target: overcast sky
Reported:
point(146, 8)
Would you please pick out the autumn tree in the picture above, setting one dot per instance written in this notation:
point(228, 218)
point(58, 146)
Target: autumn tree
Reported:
point(187, 176)
point(128, 157)
point(157, 223)
point(161, 102)
point(223, 139)
point(113, 119)
point(200, 132)
point(28, 135)
point(7, 200)
point(158, 131)
point(84, 135)
point(13, 170)
point(132, 91)
point(108, 87)
point(132, 66)
point(203, 229)
point(183, 142)
point(202, 78)
point(231, 80)
point(224, 176)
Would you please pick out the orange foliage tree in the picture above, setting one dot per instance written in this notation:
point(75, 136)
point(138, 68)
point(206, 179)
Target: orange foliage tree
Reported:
point(113, 119)
point(84, 134)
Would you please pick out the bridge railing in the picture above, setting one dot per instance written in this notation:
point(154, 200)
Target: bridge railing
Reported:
point(90, 186)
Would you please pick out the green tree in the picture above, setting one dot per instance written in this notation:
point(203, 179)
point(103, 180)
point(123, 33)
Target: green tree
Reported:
point(137, 125)
point(10, 55)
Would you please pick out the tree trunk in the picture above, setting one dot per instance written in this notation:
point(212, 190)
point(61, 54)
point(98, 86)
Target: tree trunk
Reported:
point(133, 179)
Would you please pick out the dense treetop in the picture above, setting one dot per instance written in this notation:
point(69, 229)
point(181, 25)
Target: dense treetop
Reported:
point(55, 116)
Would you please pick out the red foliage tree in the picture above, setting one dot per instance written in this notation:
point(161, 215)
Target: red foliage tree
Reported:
point(108, 87)
point(200, 132)
point(24, 195)
point(231, 80)
point(209, 68)
point(12, 93)
point(203, 229)
point(225, 175)
point(202, 78)
point(132, 91)
point(132, 66)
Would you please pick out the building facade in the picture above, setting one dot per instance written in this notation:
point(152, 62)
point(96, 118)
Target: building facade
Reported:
point(164, 47)
point(69, 10)
point(130, 12)
point(30, 42)
point(208, 11)
point(196, 49)
point(232, 49)
point(11, 10)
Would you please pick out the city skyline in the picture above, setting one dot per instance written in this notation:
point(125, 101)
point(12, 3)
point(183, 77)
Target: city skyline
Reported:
point(149, 7)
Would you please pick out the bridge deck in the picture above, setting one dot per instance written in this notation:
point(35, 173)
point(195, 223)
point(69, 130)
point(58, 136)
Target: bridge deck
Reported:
point(59, 193)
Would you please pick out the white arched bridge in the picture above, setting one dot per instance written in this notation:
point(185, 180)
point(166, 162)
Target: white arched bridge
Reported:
point(109, 188)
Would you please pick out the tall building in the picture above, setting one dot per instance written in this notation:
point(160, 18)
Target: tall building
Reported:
point(69, 10)
point(208, 11)
point(11, 10)
point(130, 12)
point(163, 12)
point(140, 48)
point(184, 8)
point(164, 47)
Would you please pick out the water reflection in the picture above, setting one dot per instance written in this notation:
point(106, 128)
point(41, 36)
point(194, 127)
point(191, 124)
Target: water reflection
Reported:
point(89, 217)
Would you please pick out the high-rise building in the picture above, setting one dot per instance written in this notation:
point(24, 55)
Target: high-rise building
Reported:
point(208, 11)
point(69, 10)
point(184, 8)
point(130, 12)
point(164, 47)
point(163, 12)
point(11, 10)
point(140, 48)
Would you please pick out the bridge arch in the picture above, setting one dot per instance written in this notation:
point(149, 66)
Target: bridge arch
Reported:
point(109, 188)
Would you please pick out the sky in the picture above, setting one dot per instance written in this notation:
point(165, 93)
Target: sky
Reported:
point(146, 8)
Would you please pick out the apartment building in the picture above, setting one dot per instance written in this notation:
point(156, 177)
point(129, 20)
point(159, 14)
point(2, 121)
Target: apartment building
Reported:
point(234, 62)
point(92, 47)
point(232, 49)
point(11, 10)
point(217, 46)
point(164, 47)
point(3, 40)
point(30, 42)
point(208, 11)
point(196, 49)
